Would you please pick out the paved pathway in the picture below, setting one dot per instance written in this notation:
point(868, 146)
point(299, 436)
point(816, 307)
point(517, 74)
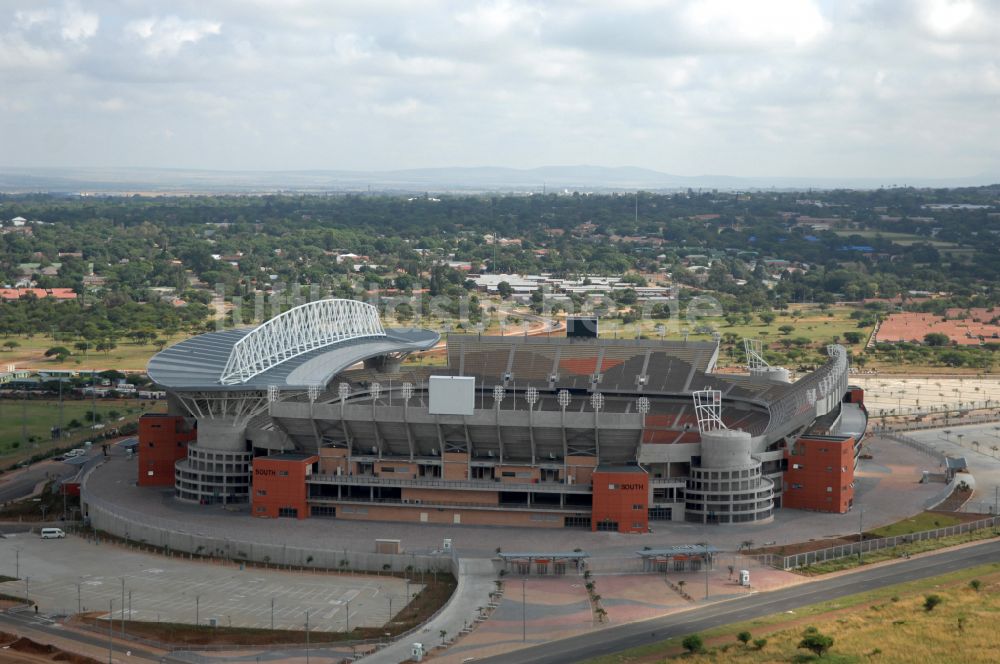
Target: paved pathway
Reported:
point(475, 583)
point(984, 463)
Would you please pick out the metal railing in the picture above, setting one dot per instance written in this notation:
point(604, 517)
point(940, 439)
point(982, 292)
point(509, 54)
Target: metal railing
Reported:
point(872, 545)
point(484, 485)
point(420, 502)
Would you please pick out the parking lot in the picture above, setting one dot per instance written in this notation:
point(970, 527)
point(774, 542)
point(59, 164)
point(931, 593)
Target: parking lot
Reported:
point(71, 574)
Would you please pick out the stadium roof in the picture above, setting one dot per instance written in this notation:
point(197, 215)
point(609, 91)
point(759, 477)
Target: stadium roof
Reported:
point(304, 347)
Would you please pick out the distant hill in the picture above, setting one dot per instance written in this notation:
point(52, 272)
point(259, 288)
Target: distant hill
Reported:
point(459, 179)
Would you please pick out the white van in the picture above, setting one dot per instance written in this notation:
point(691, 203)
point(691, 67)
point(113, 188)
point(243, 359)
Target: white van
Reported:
point(75, 453)
point(52, 533)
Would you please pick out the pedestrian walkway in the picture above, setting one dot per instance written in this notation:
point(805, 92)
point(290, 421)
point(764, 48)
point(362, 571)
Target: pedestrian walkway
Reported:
point(476, 578)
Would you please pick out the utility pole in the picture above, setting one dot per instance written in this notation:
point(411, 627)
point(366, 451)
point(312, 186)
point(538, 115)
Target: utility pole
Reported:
point(706, 569)
point(79, 600)
point(197, 608)
point(524, 612)
point(17, 563)
point(123, 607)
point(272, 613)
point(861, 532)
point(307, 636)
point(111, 609)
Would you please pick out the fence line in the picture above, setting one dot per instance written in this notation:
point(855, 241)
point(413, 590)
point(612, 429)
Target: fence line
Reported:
point(872, 545)
point(915, 444)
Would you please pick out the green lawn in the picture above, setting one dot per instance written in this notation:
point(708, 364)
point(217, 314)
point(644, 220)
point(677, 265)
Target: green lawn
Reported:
point(812, 323)
point(30, 354)
point(40, 416)
point(922, 521)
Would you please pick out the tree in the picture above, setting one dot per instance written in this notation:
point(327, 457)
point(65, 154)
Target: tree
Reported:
point(760, 643)
point(815, 642)
point(743, 637)
point(504, 289)
point(58, 352)
point(766, 317)
point(693, 643)
point(82, 346)
point(930, 601)
point(786, 329)
point(936, 339)
point(10, 344)
point(976, 584)
point(853, 337)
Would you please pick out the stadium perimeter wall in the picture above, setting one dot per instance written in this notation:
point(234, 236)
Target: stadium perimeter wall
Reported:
point(135, 527)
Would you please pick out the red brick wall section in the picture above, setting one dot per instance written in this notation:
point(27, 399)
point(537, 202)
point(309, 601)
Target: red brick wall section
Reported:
point(820, 474)
point(280, 484)
point(856, 395)
point(623, 498)
point(163, 441)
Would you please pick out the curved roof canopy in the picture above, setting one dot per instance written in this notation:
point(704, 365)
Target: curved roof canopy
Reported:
point(304, 347)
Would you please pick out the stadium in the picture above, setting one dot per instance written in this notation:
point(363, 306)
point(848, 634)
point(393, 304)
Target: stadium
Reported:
point(316, 414)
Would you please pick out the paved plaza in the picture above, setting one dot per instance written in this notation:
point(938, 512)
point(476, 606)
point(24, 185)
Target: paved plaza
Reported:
point(558, 607)
point(886, 394)
point(64, 575)
point(887, 487)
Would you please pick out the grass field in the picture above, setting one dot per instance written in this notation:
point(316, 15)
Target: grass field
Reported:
point(39, 416)
point(922, 521)
point(813, 323)
point(30, 354)
point(885, 625)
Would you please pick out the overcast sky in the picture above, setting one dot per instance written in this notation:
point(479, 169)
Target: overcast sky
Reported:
point(770, 88)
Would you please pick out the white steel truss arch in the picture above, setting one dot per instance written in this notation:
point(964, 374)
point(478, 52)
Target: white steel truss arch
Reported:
point(708, 409)
point(754, 349)
point(298, 331)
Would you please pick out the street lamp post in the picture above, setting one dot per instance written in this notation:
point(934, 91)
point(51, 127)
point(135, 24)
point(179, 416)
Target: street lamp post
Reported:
point(861, 532)
point(524, 611)
point(111, 609)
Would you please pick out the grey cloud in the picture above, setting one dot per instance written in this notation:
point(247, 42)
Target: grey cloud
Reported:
point(845, 87)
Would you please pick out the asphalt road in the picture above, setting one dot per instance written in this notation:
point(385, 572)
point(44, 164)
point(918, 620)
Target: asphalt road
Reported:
point(616, 639)
point(23, 622)
point(19, 483)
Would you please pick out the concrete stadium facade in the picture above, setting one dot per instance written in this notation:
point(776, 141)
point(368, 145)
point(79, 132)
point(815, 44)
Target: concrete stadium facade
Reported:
point(592, 433)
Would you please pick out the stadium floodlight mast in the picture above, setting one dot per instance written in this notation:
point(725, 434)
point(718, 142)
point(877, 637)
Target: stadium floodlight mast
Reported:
point(642, 405)
point(313, 393)
point(531, 395)
point(498, 395)
point(272, 393)
point(344, 391)
point(563, 399)
point(407, 391)
point(597, 403)
point(661, 329)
